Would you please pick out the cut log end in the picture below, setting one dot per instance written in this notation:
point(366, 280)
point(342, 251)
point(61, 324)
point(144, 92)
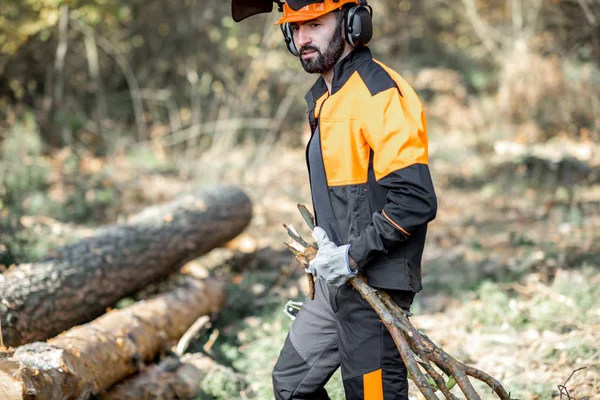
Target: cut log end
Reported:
point(90, 358)
point(11, 388)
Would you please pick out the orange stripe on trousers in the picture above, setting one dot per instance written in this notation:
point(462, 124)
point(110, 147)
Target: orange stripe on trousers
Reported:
point(373, 385)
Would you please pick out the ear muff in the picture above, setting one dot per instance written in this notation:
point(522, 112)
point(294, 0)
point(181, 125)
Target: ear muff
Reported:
point(359, 25)
point(289, 38)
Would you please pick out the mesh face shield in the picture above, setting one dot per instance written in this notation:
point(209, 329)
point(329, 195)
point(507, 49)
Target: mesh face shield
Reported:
point(242, 9)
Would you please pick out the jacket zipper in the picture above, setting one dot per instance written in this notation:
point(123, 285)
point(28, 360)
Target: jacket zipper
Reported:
point(317, 126)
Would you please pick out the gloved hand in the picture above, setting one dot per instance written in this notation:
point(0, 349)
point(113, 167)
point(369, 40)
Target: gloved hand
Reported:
point(332, 262)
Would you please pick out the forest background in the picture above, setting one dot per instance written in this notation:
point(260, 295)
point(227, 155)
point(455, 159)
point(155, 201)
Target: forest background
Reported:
point(110, 106)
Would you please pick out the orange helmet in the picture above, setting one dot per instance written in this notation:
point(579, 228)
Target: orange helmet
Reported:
point(297, 11)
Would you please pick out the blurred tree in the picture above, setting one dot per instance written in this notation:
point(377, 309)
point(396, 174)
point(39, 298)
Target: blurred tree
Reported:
point(182, 75)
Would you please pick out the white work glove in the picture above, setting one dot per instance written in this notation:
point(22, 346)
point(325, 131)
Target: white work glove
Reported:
point(332, 263)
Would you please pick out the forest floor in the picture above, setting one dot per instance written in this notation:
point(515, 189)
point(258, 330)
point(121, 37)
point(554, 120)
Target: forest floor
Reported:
point(511, 274)
point(511, 281)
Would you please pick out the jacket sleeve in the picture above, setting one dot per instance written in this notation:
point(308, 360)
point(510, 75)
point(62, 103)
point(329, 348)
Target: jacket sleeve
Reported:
point(394, 127)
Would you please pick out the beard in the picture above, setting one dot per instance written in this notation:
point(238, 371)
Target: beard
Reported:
point(324, 61)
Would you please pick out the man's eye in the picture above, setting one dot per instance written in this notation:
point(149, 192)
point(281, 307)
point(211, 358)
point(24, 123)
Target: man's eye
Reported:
point(314, 25)
point(295, 28)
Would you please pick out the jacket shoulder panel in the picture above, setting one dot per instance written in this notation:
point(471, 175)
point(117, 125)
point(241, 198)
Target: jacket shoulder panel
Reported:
point(376, 78)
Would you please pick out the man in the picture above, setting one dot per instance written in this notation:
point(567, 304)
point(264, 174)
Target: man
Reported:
point(372, 195)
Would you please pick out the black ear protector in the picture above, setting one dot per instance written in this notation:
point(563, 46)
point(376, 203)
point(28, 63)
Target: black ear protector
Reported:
point(358, 27)
point(359, 24)
point(288, 35)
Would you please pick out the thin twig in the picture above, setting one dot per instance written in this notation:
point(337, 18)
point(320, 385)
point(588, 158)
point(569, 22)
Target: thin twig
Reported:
point(439, 381)
point(462, 380)
point(409, 360)
point(492, 382)
point(211, 341)
point(295, 235)
point(307, 216)
point(564, 385)
point(573, 373)
point(201, 323)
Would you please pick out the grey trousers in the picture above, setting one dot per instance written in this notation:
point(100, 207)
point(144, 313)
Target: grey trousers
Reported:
point(339, 328)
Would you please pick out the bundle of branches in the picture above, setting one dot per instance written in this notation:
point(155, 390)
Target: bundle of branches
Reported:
point(418, 352)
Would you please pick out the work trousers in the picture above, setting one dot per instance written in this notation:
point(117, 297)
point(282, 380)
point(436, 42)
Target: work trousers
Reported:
point(339, 328)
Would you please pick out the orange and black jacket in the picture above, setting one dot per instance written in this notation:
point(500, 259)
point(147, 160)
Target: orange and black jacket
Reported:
point(367, 161)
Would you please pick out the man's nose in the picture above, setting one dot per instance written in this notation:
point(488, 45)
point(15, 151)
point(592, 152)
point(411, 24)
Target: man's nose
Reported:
point(303, 38)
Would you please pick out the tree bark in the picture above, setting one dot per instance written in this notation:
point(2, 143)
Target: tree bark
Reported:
point(91, 358)
point(171, 379)
point(78, 282)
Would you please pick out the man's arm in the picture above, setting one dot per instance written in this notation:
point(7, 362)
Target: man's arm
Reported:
point(395, 128)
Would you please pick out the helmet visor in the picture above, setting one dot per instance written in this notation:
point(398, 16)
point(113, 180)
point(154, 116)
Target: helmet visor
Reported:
point(242, 9)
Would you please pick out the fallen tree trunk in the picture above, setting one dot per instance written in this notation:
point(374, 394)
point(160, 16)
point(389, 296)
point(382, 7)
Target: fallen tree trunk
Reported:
point(173, 378)
point(91, 358)
point(79, 281)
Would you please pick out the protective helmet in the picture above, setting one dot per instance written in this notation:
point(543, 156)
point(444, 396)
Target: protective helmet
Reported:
point(357, 19)
point(305, 10)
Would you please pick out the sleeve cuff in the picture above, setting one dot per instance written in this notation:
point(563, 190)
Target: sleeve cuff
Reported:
point(348, 261)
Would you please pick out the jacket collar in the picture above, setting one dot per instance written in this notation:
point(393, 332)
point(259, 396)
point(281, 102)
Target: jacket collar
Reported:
point(342, 71)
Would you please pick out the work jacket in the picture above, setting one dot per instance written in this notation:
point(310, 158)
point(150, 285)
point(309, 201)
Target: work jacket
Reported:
point(368, 166)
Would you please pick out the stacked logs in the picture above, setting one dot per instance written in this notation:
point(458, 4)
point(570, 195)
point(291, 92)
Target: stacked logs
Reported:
point(78, 282)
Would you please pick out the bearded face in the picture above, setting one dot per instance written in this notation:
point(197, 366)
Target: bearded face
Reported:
point(318, 59)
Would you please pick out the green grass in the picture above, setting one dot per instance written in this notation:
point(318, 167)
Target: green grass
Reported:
point(454, 278)
point(22, 168)
point(571, 299)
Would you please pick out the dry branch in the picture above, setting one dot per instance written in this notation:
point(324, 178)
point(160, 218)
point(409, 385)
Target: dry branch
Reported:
point(416, 349)
point(562, 389)
point(91, 358)
point(79, 281)
point(201, 324)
